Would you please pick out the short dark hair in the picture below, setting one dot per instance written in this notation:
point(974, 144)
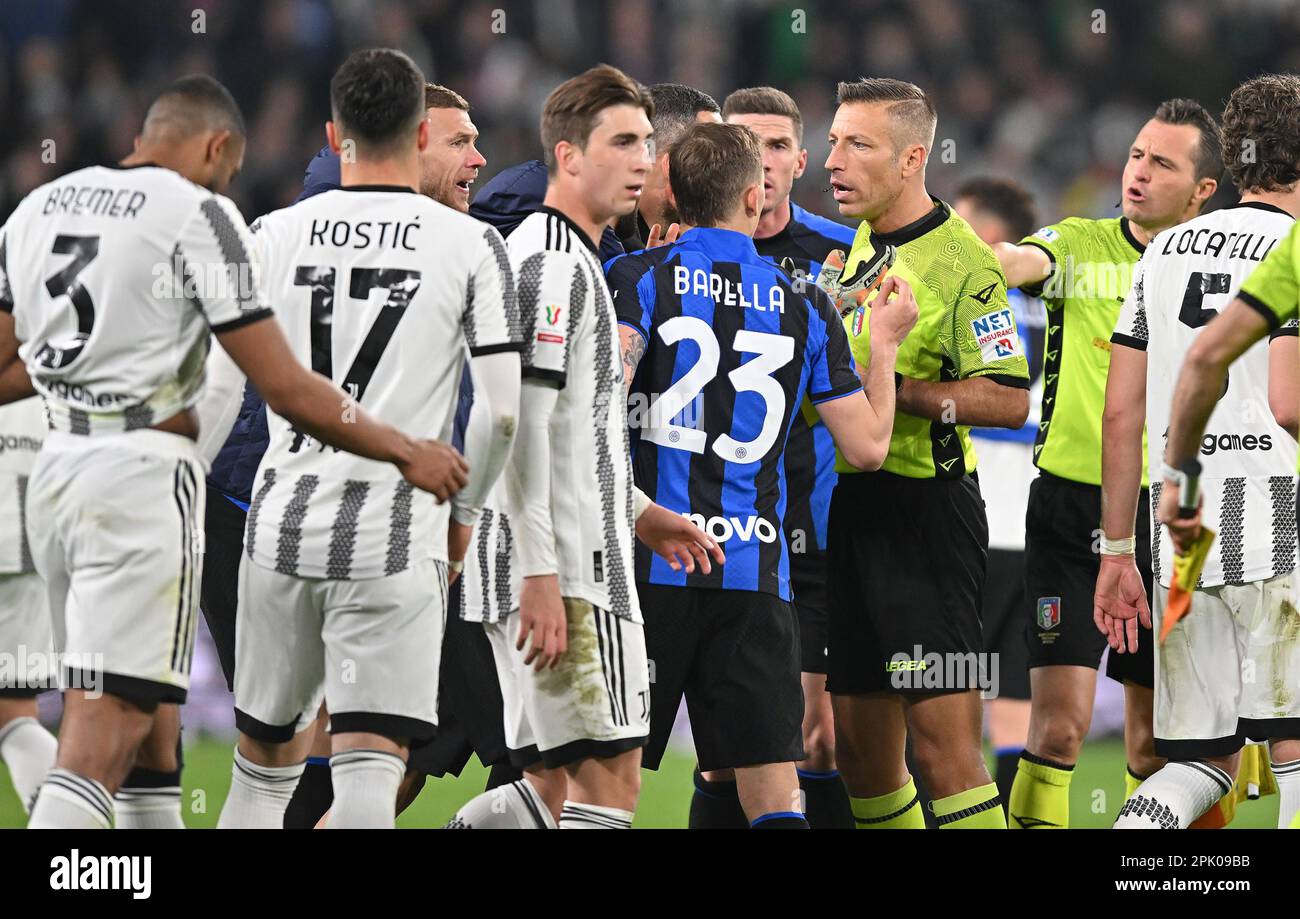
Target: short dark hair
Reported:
point(377, 98)
point(573, 108)
point(910, 109)
point(764, 100)
point(195, 103)
point(1209, 151)
point(1261, 133)
point(710, 167)
point(676, 106)
point(436, 96)
point(1005, 199)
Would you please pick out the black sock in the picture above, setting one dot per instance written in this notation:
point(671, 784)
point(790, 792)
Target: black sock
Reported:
point(784, 821)
point(715, 806)
point(1004, 772)
point(140, 777)
point(313, 796)
point(825, 801)
point(503, 774)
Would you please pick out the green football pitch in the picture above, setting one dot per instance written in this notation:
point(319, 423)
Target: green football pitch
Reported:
point(1095, 793)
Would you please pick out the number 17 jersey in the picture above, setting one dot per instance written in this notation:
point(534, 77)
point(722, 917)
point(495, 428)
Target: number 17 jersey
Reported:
point(383, 291)
point(732, 347)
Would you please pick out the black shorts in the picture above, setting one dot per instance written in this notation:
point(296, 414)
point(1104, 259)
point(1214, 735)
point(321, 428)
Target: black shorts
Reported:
point(734, 654)
point(1062, 532)
point(1004, 623)
point(470, 717)
point(808, 582)
point(906, 570)
point(223, 531)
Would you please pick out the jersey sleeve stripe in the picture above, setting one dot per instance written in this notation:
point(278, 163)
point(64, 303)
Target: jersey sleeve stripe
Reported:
point(837, 393)
point(1128, 341)
point(6, 290)
point(636, 328)
point(517, 346)
point(1260, 307)
point(1004, 379)
point(246, 319)
point(544, 373)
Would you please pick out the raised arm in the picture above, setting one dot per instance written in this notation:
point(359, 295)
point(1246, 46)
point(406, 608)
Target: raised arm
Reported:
point(1023, 263)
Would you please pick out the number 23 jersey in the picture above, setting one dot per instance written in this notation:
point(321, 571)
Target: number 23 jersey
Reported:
point(732, 347)
point(382, 290)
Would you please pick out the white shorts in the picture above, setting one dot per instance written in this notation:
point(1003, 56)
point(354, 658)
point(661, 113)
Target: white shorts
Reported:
point(370, 649)
point(1230, 669)
point(115, 524)
point(596, 702)
point(26, 642)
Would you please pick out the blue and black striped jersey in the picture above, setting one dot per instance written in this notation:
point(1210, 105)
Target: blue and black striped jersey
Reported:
point(807, 240)
point(732, 347)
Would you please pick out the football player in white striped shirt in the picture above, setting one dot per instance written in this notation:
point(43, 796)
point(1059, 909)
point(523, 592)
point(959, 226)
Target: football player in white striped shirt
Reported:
point(1223, 673)
point(110, 281)
point(25, 746)
point(343, 586)
point(572, 662)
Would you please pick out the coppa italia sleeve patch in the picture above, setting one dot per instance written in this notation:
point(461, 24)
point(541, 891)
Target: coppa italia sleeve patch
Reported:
point(995, 333)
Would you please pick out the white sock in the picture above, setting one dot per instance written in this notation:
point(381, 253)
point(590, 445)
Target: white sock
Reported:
point(516, 806)
point(150, 807)
point(1288, 791)
point(28, 750)
point(1174, 797)
point(258, 795)
point(577, 816)
point(365, 790)
point(68, 801)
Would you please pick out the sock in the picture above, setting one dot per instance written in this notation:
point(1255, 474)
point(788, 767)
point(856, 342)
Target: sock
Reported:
point(899, 810)
point(149, 800)
point(1131, 781)
point(1175, 796)
point(1040, 795)
point(1288, 787)
point(781, 820)
point(1006, 760)
point(28, 750)
point(825, 800)
point(313, 796)
point(365, 789)
point(68, 801)
point(973, 809)
point(516, 806)
point(715, 806)
point(258, 795)
point(577, 816)
point(503, 774)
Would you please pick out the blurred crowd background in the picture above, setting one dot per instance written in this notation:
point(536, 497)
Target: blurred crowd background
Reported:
point(1049, 91)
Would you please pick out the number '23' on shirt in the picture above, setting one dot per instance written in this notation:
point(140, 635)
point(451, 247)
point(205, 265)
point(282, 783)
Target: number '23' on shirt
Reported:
point(732, 347)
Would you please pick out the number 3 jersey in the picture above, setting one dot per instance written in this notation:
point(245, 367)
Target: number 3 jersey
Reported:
point(114, 276)
point(732, 347)
point(382, 290)
point(1187, 274)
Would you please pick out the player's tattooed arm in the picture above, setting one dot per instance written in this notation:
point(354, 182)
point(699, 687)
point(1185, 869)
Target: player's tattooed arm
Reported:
point(633, 346)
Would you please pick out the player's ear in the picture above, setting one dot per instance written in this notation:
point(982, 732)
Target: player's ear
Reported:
point(1205, 190)
point(422, 135)
point(754, 200)
point(802, 164)
point(216, 146)
point(332, 136)
point(566, 156)
point(913, 160)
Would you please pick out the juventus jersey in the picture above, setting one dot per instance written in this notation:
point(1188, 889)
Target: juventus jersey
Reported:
point(571, 338)
point(491, 580)
point(114, 276)
point(381, 290)
point(1186, 275)
point(22, 430)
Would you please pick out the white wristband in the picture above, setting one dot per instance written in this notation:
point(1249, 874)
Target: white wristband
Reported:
point(1125, 546)
point(456, 567)
point(640, 501)
point(1173, 474)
